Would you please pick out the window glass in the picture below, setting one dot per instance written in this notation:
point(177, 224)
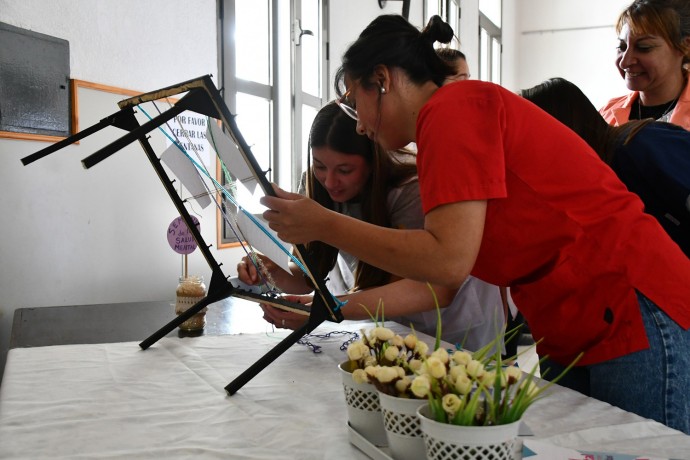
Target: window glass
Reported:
point(492, 10)
point(310, 44)
point(495, 61)
point(253, 40)
point(253, 118)
point(484, 50)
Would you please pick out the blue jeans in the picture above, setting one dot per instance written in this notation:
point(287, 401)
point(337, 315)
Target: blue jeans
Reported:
point(653, 383)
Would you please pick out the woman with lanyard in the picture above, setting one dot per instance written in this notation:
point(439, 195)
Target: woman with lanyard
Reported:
point(653, 54)
point(515, 198)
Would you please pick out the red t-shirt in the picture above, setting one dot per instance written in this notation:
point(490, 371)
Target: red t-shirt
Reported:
point(561, 229)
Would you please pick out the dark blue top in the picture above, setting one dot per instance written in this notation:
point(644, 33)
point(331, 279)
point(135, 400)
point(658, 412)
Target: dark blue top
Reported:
point(655, 165)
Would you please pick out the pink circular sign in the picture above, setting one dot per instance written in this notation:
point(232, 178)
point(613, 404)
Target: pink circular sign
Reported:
point(180, 238)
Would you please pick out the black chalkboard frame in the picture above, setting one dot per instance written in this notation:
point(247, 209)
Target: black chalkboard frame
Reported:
point(34, 85)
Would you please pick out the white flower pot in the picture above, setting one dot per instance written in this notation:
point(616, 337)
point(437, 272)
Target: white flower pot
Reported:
point(401, 423)
point(444, 441)
point(363, 407)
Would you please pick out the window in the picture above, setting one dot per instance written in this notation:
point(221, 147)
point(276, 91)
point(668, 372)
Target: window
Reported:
point(490, 40)
point(273, 85)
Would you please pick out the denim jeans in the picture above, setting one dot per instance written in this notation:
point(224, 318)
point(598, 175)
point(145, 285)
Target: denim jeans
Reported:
point(653, 383)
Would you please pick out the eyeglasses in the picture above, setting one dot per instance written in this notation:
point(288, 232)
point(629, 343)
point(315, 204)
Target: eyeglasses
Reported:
point(346, 106)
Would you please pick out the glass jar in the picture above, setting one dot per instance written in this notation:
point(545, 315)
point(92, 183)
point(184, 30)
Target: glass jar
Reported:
point(189, 292)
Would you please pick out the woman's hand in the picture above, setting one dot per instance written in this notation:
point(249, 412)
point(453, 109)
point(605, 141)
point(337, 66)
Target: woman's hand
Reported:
point(247, 272)
point(287, 319)
point(296, 218)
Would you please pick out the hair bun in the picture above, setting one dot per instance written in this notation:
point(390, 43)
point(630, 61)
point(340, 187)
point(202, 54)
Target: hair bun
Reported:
point(437, 30)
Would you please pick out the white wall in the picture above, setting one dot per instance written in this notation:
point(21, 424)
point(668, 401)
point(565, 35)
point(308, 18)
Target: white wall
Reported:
point(562, 38)
point(73, 236)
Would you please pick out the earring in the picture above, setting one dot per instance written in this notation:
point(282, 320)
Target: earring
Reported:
point(382, 90)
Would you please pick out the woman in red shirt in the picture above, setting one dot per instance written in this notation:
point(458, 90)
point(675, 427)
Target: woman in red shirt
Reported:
point(516, 199)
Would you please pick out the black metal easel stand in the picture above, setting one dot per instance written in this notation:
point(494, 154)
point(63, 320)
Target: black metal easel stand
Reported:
point(201, 97)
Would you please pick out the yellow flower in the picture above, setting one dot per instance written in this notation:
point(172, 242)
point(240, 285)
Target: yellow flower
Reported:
point(421, 348)
point(451, 404)
point(371, 370)
point(357, 350)
point(385, 374)
point(391, 353)
point(487, 378)
point(463, 384)
point(441, 354)
point(513, 375)
point(360, 376)
point(458, 371)
point(410, 341)
point(475, 369)
point(398, 341)
point(420, 386)
point(462, 357)
point(403, 384)
point(415, 365)
point(435, 367)
point(383, 333)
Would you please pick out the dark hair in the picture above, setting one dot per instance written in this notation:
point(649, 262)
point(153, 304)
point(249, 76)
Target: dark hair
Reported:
point(332, 128)
point(392, 41)
point(670, 19)
point(450, 54)
point(568, 104)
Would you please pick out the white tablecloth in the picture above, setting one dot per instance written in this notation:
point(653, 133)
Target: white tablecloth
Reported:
point(117, 401)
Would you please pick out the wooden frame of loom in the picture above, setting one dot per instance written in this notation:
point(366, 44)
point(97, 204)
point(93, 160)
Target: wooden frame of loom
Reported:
point(204, 98)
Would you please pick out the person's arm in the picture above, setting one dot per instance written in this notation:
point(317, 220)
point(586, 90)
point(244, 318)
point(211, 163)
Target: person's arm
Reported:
point(292, 282)
point(400, 298)
point(442, 253)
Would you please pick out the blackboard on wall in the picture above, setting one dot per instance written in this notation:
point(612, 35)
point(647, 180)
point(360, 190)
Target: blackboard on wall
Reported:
point(34, 83)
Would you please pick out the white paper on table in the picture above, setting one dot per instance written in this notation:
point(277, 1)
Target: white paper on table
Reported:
point(539, 450)
point(262, 242)
point(230, 156)
point(186, 173)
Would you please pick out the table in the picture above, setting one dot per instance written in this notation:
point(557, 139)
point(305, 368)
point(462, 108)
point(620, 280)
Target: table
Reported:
point(117, 401)
point(124, 322)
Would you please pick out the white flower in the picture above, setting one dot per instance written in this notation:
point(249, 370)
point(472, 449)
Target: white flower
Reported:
point(357, 350)
point(391, 353)
point(371, 370)
point(383, 333)
point(359, 376)
point(385, 374)
point(435, 368)
point(403, 384)
point(461, 357)
point(398, 341)
point(441, 354)
point(415, 365)
point(475, 369)
point(410, 341)
point(451, 404)
point(420, 386)
point(457, 371)
point(370, 361)
point(513, 374)
point(421, 348)
point(463, 384)
point(488, 378)
point(401, 371)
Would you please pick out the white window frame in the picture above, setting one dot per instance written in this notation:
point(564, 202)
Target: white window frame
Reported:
point(287, 153)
